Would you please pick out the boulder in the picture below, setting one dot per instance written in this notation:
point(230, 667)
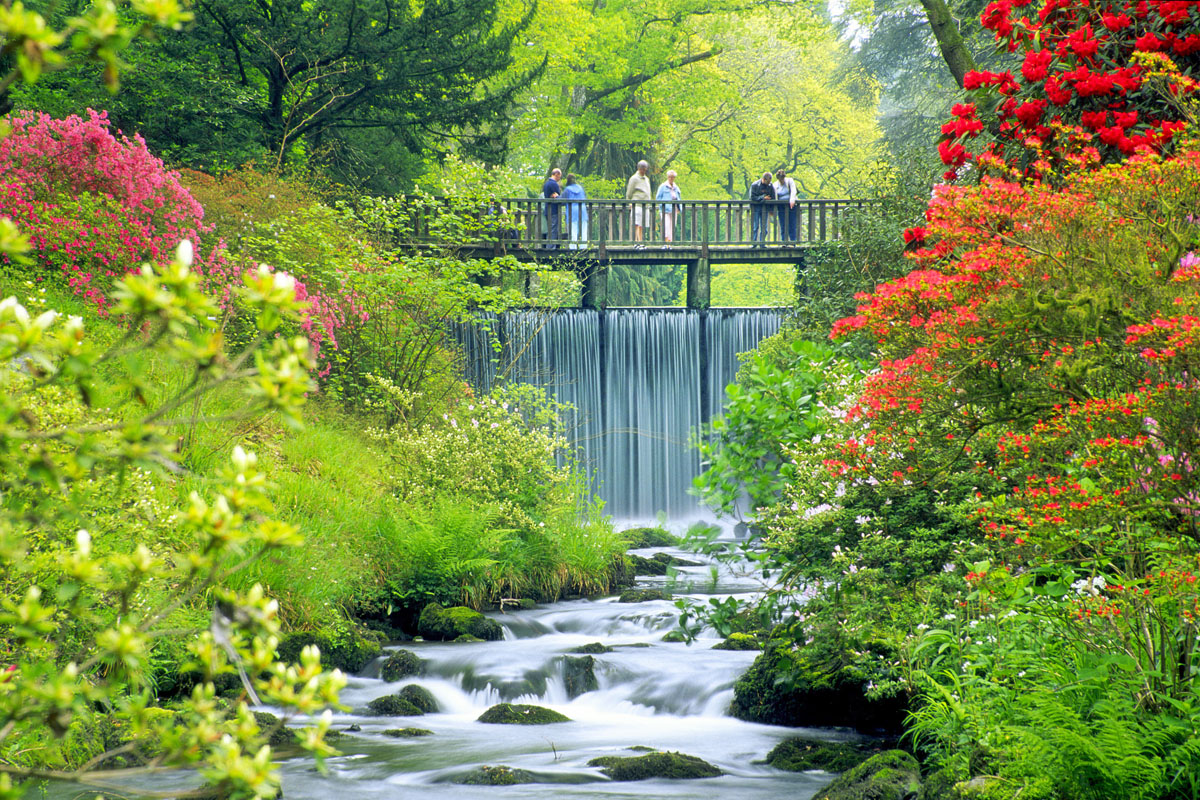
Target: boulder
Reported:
point(675, 636)
point(495, 776)
point(349, 652)
point(511, 714)
point(675, 766)
point(467, 638)
point(579, 675)
point(393, 705)
point(276, 733)
point(401, 664)
point(641, 595)
point(739, 641)
point(595, 648)
point(406, 733)
point(659, 564)
point(445, 624)
point(786, 687)
point(637, 538)
point(891, 775)
point(420, 697)
point(798, 755)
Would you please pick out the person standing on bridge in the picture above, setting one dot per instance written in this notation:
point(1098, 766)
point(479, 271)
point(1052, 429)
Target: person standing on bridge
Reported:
point(577, 213)
point(638, 190)
point(762, 192)
point(668, 192)
point(785, 195)
point(551, 190)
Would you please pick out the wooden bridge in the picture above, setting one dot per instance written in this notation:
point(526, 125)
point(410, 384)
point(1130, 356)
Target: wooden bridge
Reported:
point(553, 234)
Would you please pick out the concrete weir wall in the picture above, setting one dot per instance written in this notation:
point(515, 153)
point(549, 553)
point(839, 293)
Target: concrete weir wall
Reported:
point(641, 381)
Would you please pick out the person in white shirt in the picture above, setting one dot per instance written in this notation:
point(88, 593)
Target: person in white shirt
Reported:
point(785, 196)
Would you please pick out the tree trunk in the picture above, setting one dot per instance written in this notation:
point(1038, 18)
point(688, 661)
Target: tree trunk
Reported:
point(945, 29)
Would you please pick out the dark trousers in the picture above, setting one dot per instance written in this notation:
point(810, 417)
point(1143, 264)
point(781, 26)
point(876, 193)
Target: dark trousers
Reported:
point(760, 220)
point(787, 222)
point(553, 226)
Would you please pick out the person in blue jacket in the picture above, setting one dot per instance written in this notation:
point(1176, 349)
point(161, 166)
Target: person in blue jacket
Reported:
point(577, 212)
point(669, 193)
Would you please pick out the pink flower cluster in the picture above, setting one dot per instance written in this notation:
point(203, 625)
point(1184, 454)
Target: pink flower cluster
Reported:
point(97, 205)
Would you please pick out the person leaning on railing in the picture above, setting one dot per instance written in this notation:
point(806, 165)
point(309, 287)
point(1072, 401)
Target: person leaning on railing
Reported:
point(761, 193)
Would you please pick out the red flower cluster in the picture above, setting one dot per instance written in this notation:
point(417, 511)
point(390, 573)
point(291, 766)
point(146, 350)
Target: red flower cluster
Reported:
point(1080, 92)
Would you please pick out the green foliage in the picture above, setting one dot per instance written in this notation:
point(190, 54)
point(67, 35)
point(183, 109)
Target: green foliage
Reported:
point(775, 403)
point(83, 608)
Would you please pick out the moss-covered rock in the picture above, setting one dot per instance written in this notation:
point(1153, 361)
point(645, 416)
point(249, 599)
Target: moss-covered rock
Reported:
point(401, 664)
point(420, 697)
point(393, 705)
point(273, 730)
point(798, 755)
point(467, 638)
point(593, 649)
point(495, 776)
point(786, 687)
point(637, 538)
point(891, 775)
point(515, 714)
point(517, 603)
point(445, 624)
point(641, 595)
point(407, 733)
point(620, 572)
point(579, 675)
point(349, 651)
point(659, 564)
point(675, 636)
point(675, 766)
point(739, 641)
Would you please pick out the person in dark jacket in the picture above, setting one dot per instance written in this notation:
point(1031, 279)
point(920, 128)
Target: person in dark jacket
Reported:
point(762, 192)
point(551, 190)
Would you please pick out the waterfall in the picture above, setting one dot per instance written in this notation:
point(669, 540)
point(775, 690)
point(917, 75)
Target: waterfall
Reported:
point(641, 381)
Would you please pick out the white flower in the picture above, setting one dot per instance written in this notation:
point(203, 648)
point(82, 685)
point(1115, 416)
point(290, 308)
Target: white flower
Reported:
point(184, 253)
point(83, 541)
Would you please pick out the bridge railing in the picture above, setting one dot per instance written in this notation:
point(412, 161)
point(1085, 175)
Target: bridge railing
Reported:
point(579, 224)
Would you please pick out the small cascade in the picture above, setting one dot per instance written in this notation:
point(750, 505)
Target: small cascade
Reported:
point(642, 691)
point(641, 382)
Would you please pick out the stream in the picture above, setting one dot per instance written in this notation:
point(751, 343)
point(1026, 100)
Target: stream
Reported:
point(668, 696)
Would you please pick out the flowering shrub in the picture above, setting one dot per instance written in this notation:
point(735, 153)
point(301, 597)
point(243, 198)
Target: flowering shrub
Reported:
point(1097, 83)
point(1046, 340)
point(96, 205)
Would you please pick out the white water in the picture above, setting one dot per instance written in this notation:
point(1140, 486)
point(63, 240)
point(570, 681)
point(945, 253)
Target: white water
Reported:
point(668, 696)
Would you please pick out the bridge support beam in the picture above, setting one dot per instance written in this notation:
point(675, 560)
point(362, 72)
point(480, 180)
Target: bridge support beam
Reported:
point(594, 278)
point(699, 283)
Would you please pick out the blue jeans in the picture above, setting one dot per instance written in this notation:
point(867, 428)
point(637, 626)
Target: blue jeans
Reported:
point(759, 221)
point(787, 222)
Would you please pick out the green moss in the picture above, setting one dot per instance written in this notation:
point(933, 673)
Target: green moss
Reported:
point(739, 641)
point(349, 652)
point(467, 638)
point(797, 755)
point(401, 664)
point(675, 766)
point(579, 675)
point(495, 776)
point(891, 775)
point(446, 624)
point(595, 648)
point(276, 733)
point(420, 697)
point(393, 706)
point(641, 748)
point(641, 595)
point(674, 636)
point(786, 687)
point(512, 714)
point(659, 564)
point(407, 733)
point(649, 537)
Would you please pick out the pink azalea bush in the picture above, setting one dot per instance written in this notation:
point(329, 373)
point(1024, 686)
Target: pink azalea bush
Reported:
point(96, 205)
